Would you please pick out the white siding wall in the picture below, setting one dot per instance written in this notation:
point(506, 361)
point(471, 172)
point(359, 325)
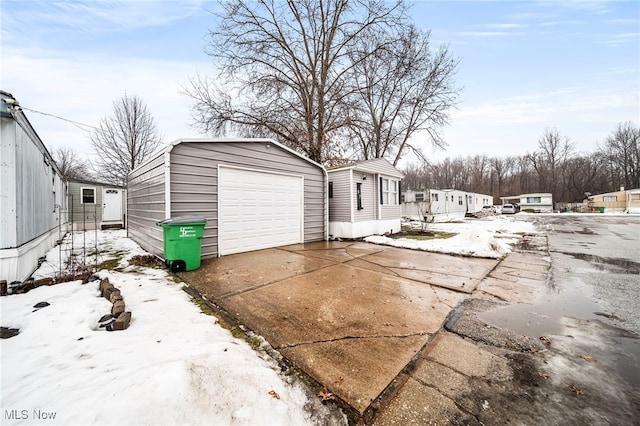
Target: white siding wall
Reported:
point(33, 199)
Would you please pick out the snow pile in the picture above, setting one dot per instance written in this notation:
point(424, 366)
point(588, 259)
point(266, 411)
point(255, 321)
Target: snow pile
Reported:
point(490, 237)
point(173, 365)
point(89, 248)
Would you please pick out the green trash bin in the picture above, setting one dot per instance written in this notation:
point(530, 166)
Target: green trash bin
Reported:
point(183, 242)
point(601, 209)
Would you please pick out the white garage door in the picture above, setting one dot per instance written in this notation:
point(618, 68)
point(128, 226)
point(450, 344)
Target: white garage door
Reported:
point(258, 210)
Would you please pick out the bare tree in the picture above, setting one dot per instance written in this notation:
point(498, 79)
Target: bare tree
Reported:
point(124, 139)
point(402, 87)
point(584, 174)
point(548, 161)
point(622, 152)
point(283, 70)
point(70, 164)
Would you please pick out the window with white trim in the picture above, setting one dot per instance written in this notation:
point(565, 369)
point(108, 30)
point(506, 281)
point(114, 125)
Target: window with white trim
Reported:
point(389, 191)
point(87, 195)
point(419, 196)
point(610, 198)
point(459, 200)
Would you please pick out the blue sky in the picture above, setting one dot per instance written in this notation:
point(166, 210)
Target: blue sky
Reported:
point(524, 66)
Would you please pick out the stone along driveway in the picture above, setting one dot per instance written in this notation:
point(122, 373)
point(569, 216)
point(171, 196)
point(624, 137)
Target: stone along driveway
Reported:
point(352, 315)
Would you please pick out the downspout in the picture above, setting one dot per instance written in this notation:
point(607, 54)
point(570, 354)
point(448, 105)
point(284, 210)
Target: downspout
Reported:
point(378, 180)
point(351, 188)
point(167, 183)
point(326, 204)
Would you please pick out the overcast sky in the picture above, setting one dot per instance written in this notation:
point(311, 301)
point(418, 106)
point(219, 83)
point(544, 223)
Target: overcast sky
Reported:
point(524, 66)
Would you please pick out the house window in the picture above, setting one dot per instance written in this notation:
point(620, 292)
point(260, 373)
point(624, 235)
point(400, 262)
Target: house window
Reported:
point(330, 189)
point(435, 197)
point(88, 195)
point(402, 198)
point(610, 198)
point(460, 200)
point(359, 195)
point(452, 198)
point(534, 200)
point(419, 196)
point(389, 191)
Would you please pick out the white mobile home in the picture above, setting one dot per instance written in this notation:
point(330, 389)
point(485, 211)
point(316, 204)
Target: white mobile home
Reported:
point(541, 202)
point(364, 199)
point(441, 205)
point(32, 195)
point(446, 205)
point(254, 194)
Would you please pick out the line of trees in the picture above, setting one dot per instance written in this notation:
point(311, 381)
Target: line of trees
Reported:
point(554, 167)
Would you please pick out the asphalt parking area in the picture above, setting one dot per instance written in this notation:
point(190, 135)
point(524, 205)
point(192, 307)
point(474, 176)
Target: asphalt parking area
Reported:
point(351, 315)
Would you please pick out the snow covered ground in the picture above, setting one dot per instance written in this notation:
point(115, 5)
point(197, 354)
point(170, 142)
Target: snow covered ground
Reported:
point(491, 236)
point(173, 365)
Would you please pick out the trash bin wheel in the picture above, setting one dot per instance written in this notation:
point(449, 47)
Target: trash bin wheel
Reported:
point(178, 266)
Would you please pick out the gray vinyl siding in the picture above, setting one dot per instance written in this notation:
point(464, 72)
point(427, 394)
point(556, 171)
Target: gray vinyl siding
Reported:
point(340, 204)
point(391, 211)
point(369, 197)
point(194, 188)
point(146, 205)
point(378, 166)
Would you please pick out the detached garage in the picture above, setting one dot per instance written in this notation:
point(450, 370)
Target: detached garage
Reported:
point(254, 193)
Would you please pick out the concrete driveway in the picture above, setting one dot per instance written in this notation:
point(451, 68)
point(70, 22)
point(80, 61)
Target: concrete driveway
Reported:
point(351, 315)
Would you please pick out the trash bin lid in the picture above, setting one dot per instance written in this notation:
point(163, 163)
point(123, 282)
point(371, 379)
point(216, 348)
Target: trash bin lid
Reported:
point(183, 219)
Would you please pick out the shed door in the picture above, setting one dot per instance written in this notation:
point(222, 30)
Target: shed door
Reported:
point(258, 210)
point(111, 204)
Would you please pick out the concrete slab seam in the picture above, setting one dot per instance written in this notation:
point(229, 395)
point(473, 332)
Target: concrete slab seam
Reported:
point(339, 339)
point(260, 286)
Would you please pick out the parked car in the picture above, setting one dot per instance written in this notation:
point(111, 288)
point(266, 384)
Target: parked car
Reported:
point(508, 209)
point(488, 209)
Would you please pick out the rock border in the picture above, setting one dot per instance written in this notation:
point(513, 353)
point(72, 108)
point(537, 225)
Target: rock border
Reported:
point(118, 307)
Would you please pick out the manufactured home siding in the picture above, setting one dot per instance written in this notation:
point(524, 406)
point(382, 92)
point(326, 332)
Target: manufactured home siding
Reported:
point(146, 205)
point(8, 193)
point(369, 197)
point(41, 191)
point(32, 196)
point(194, 182)
point(339, 205)
point(379, 166)
point(391, 211)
